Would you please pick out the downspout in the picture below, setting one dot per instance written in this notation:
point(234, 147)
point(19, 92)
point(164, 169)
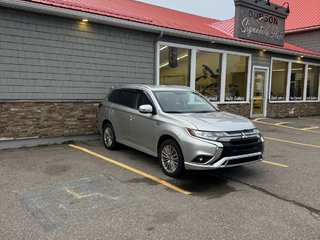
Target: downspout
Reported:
point(157, 63)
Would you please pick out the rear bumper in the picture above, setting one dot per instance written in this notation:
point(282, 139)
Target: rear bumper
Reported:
point(226, 162)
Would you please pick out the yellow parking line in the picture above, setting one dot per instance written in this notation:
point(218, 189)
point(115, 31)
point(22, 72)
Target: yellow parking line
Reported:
point(257, 119)
point(158, 180)
point(276, 164)
point(309, 128)
point(291, 142)
point(284, 126)
point(281, 123)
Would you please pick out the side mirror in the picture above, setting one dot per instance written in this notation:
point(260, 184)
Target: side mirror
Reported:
point(147, 108)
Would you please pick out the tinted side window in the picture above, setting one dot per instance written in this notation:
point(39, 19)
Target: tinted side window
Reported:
point(125, 97)
point(143, 99)
point(113, 96)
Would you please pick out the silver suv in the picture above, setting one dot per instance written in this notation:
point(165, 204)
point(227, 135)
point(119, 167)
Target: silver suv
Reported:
point(179, 126)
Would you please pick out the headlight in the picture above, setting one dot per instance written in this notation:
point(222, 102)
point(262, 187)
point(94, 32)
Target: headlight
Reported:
point(255, 130)
point(213, 136)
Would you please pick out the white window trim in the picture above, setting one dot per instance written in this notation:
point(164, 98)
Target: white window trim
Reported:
point(306, 71)
point(223, 77)
point(157, 75)
point(266, 85)
point(318, 90)
point(318, 65)
point(289, 80)
point(192, 69)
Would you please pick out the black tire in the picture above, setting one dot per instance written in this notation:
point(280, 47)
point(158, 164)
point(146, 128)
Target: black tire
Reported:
point(109, 137)
point(171, 158)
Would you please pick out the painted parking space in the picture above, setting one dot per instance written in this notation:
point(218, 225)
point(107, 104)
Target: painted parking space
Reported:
point(99, 198)
point(187, 190)
point(274, 164)
point(312, 128)
point(132, 169)
point(64, 203)
point(293, 142)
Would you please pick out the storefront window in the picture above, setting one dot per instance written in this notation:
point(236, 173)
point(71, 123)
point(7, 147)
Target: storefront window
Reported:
point(208, 75)
point(236, 78)
point(174, 66)
point(279, 81)
point(313, 83)
point(297, 82)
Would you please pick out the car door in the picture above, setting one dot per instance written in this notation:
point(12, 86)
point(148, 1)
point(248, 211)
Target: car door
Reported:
point(142, 126)
point(120, 112)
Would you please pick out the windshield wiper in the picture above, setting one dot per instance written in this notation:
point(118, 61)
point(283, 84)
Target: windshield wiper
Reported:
point(204, 111)
point(173, 112)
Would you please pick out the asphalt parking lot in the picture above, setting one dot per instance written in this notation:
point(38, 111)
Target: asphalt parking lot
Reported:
point(82, 191)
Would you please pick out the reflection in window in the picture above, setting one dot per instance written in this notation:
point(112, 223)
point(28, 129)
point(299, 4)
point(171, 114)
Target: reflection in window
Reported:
point(174, 66)
point(313, 83)
point(297, 82)
point(279, 81)
point(208, 75)
point(236, 78)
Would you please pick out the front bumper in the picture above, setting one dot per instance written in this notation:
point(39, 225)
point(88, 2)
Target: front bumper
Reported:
point(226, 162)
point(229, 153)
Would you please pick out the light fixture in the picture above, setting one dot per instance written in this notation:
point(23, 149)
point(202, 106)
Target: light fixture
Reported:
point(183, 56)
point(85, 20)
point(163, 65)
point(266, 1)
point(264, 50)
point(164, 47)
point(179, 58)
point(302, 56)
point(288, 8)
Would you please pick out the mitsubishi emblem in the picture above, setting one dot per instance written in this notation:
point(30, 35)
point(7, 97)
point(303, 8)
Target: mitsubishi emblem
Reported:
point(243, 135)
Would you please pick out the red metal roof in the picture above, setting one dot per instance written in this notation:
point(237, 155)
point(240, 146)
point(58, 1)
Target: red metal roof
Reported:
point(139, 12)
point(158, 16)
point(304, 14)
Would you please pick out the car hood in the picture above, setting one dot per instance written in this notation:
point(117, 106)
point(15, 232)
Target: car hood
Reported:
point(216, 121)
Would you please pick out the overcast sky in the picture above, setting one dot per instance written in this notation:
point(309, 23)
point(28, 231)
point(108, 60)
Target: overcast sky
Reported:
point(219, 9)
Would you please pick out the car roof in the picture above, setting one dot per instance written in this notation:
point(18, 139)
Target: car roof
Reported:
point(153, 87)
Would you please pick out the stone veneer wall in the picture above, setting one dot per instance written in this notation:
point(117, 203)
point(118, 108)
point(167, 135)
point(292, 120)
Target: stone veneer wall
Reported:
point(293, 109)
point(20, 120)
point(34, 119)
point(240, 109)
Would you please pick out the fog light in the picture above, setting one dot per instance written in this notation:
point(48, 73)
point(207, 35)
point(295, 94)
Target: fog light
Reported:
point(202, 159)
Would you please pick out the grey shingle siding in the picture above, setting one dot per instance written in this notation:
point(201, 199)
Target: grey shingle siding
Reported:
point(46, 57)
point(309, 40)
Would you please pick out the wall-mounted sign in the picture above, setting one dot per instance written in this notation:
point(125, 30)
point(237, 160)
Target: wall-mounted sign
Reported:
point(260, 20)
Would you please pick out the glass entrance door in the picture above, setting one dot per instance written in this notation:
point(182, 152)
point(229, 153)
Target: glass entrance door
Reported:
point(258, 108)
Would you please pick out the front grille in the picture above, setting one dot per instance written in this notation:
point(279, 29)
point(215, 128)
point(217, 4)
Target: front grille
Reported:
point(242, 160)
point(240, 146)
point(243, 141)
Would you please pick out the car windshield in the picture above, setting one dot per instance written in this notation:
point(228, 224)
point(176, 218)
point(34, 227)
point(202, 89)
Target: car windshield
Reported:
point(183, 102)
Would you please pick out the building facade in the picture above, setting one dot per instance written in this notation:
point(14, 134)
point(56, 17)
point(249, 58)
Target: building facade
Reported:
point(308, 39)
point(303, 23)
point(56, 68)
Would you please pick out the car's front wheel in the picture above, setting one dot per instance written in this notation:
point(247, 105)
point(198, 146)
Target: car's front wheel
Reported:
point(171, 158)
point(109, 137)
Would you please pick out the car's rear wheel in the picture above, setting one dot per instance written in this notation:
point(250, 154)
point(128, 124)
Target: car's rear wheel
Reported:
point(109, 137)
point(171, 158)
